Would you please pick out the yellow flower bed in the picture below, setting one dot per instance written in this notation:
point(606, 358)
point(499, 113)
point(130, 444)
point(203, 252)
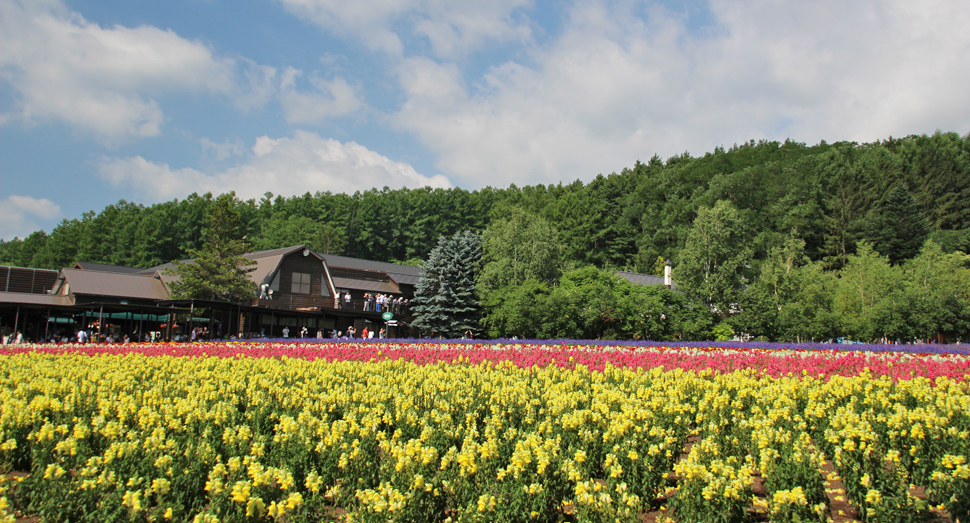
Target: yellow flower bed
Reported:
point(154, 438)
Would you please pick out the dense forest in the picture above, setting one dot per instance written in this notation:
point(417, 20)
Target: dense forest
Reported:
point(832, 202)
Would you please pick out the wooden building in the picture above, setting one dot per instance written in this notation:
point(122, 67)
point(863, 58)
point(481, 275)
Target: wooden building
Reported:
point(293, 288)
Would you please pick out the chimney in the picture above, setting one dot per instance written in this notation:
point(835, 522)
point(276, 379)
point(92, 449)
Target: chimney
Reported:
point(667, 280)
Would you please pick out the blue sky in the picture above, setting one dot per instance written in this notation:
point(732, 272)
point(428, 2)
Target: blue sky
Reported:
point(150, 100)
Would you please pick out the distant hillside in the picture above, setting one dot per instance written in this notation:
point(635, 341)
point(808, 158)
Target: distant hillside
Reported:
point(832, 195)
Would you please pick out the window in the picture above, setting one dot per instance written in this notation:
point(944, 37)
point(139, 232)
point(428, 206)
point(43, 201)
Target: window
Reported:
point(300, 284)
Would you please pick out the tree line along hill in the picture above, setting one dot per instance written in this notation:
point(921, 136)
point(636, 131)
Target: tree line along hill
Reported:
point(893, 194)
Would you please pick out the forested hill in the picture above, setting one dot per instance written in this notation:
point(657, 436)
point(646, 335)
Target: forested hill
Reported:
point(893, 194)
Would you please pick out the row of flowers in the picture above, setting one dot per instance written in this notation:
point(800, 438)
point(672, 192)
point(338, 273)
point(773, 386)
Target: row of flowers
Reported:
point(773, 362)
point(913, 348)
point(373, 432)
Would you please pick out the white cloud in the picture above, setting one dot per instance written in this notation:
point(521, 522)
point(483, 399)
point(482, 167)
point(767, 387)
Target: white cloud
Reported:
point(105, 80)
point(330, 98)
point(853, 70)
point(369, 21)
point(457, 27)
point(452, 27)
point(623, 82)
point(223, 150)
point(285, 166)
point(256, 87)
point(19, 214)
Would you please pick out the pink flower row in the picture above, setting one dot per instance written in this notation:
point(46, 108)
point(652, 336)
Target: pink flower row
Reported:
point(775, 363)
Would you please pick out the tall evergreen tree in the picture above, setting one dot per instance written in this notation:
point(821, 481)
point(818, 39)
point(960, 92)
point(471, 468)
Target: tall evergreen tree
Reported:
point(898, 230)
point(219, 271)
point(445, 301)
point(847, 189)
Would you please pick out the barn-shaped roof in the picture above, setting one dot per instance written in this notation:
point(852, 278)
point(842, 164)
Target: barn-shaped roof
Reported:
point(341, 272)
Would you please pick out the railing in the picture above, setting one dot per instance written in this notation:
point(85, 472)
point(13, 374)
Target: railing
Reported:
point(297, 301)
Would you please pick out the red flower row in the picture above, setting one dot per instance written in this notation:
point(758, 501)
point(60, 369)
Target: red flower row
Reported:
point(775, 363)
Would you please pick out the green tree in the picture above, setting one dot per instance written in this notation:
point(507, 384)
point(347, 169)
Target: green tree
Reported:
point(713, 264)
point(585, 305)
point(937, 170)
point(591, 303)
point(811, 315)
point(517, 310)
point(61, 247)
point(10, 251)
point(938, 287)
point(218, 270)
point(31, 249)
point(654, 312)
point(763, 301)
point(285, 231)
point(155, 242)
point(847, 189)
point(190, 227)
point(865, 296)
point(898, 229)
point(332, 239)
point(445, 300)
point(519, 248)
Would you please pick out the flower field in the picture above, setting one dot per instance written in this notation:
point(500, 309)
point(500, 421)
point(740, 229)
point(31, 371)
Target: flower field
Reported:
point(300, 432)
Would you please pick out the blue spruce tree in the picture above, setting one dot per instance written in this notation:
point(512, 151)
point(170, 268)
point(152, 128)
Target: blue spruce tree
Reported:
point(445, 303)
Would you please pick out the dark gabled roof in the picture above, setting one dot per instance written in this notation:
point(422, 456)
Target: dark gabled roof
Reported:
point(644, 279)
point(98, 283)
point(104, 267)
point(402, 274)
point(405, 279)
point(164, 266)
point(162, 271)
point(334, 260)
point(384, 287)
point(266, 264)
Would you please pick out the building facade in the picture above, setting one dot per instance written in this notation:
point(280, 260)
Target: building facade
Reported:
point(294, 288)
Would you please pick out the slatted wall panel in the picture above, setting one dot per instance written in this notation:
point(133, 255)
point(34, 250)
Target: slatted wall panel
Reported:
point(44, 281)
point(31, 281)
point(20, 280)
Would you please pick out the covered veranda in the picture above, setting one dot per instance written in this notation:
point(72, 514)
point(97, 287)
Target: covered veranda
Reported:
point(47, 318)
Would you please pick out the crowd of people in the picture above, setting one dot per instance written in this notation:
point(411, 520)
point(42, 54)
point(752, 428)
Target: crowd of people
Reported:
point(79, 336)
point(10, 338)
point(196, 334)
point(373, 302)
point(384, 303)
point(351, 333)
